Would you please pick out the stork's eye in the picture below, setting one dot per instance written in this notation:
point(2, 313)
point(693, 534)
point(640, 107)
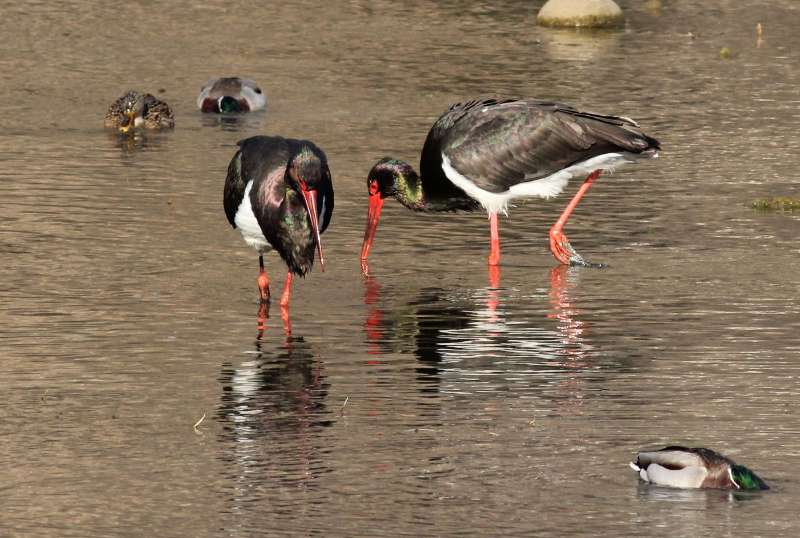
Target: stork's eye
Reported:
point(373, 187)
point(258, 90)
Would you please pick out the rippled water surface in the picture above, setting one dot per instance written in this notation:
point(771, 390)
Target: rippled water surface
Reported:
point(432, 398)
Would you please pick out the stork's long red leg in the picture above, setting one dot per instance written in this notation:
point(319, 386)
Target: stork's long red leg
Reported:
point(287, 289)
point(559, 244)
point(263, 280)
point(494, 233)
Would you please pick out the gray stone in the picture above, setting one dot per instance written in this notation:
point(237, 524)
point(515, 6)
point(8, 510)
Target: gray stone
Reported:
point(580, 13)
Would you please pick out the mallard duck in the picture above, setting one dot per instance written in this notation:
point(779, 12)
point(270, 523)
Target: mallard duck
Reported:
point(682, 467)
point(230, 94)
point(136, 109)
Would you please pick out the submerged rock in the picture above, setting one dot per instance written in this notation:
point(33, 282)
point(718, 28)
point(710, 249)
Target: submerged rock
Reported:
point(777, 203)
point(580, 13)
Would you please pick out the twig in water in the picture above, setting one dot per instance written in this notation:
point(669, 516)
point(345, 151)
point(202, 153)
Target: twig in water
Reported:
point(341, 411)
point(196, 424)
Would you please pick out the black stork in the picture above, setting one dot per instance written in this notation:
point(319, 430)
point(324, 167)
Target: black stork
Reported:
point(488, 152)
point(279, 195)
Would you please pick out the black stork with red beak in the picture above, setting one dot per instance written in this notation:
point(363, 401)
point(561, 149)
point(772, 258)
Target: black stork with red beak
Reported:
point(488, 152)
point(279, 195)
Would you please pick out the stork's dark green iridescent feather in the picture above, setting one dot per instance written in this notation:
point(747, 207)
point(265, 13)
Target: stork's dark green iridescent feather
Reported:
point(500, 143)
point(273, 163)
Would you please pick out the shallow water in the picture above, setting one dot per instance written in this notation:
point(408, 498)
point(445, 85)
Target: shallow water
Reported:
point(431, 398)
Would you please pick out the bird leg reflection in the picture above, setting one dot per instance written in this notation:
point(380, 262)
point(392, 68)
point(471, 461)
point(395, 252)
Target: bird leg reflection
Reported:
point(570, 328)
point(263, 316)
point(574, 349)
point(287, 323)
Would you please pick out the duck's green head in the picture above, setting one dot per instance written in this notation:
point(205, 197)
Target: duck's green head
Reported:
point(746, 479)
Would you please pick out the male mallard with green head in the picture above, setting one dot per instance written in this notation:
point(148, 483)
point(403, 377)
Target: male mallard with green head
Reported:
point(228, 95)
point(136, 109)
point(682, 467)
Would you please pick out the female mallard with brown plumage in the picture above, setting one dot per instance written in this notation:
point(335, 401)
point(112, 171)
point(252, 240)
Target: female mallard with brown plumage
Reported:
point(136, 109)
point(682, 467)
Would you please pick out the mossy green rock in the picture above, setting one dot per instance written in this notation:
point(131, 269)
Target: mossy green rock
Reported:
point(777, 203)
point(580, 13)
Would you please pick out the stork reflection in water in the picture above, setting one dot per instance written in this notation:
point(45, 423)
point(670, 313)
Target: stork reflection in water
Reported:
point(471, 340)
point(273, 411)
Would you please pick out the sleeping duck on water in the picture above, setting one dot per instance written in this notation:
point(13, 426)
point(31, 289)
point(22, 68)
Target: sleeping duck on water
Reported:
point(228, 95)
point(682, 467)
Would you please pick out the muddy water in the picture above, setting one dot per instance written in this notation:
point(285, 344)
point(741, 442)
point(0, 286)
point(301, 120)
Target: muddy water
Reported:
point(432, 398)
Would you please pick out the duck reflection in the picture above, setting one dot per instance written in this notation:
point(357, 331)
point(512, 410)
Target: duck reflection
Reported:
point(135, 141)
point(696, 506)
point(273, 413)
point(234, 122)
point(487, 338)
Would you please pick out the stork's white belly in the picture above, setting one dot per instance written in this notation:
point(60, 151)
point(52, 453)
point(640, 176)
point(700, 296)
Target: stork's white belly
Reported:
point(546, 187)
point(247, 224)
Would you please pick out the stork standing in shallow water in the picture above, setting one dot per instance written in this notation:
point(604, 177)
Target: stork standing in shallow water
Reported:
point(279, 194)
point(488, 152)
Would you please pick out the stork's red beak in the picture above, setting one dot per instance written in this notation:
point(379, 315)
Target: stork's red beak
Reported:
point(375, 205)
point(311, 203)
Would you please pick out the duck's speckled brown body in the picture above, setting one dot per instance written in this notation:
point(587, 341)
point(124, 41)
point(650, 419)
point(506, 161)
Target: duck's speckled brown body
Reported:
point(136, 109)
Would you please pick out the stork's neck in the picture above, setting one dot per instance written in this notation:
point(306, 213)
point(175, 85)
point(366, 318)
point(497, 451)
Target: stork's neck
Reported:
point(430, 193)
point(408, 188)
